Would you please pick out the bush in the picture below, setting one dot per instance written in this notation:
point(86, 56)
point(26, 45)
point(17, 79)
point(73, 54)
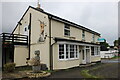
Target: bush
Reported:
point(9, 67)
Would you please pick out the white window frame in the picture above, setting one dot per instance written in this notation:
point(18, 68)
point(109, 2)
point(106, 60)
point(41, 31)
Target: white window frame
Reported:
point(68, 29)
point(59, 54)
point(83, 35)
point(27, 30)
point(93, 37)
point(75, 53)
point(96, 51)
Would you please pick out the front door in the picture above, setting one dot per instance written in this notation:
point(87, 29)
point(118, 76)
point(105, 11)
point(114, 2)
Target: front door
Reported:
point(83, 56)
point(88, 56)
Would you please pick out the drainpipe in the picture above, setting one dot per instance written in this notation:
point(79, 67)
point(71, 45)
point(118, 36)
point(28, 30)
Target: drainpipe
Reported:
point(29, 36)
point(50, 46)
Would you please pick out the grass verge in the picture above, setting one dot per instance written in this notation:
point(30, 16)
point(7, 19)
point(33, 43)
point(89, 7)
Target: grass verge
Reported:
point(86, 74)
point(115, 57)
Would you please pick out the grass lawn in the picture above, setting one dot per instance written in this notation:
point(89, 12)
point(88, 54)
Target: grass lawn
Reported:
point(86, 74)
point(115, 57)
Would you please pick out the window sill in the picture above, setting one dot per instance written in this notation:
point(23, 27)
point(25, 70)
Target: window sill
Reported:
point(69, 59)
point(95, 55)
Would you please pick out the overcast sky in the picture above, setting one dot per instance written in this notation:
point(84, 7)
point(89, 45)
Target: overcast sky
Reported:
point(98, 16)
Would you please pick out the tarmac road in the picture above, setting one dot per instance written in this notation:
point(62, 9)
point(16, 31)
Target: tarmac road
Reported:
point(108, 69)
point(110, 60)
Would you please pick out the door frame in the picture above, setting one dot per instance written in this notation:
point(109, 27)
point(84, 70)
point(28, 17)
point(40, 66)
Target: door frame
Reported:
point(87, 56)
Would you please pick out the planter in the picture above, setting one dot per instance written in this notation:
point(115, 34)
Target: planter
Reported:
point(36, 68)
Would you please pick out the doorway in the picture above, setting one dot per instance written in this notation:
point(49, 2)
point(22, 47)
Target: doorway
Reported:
point(88, 56)
point(8, 53)
point(85, 54)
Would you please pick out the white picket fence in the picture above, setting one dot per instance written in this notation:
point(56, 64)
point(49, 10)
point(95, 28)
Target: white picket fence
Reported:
point(108, 54)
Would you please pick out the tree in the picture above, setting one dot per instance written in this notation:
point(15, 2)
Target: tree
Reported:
point(104, 46)
point(116, 43)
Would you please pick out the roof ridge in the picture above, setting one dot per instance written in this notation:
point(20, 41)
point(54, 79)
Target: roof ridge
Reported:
point(66, 20)
point(60, 19)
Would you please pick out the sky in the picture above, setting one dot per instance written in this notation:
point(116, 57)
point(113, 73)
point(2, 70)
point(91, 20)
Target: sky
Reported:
point(101, 17)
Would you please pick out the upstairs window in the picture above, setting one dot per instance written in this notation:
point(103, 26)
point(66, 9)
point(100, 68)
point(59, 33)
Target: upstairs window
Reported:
point(25, 30)
point(66, 30)
point(83, 34)
point(93, 38)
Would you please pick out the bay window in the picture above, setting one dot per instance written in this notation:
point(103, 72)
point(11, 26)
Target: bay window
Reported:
point(68, 51)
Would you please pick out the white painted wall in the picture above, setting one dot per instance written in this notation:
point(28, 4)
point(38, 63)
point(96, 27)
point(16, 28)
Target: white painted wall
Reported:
point(20, 55)
point(107, 54)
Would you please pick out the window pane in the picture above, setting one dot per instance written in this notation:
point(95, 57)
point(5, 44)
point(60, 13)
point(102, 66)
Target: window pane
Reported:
point(83, 55)
point(67, 30)
point(92, 50)
point(71, 51)
point(25, 29)
point(83, 34)
point(61, 51)
point(93, 37)
point(67, 51)
point(76, 52)
point(67, 26)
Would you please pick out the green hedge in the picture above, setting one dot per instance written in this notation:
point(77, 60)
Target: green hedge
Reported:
point(9, 67)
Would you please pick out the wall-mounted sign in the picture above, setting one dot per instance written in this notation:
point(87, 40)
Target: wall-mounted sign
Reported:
point(101, 40)
point(42, 35)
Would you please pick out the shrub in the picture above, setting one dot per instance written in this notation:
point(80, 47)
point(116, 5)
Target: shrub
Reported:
point(9, 67)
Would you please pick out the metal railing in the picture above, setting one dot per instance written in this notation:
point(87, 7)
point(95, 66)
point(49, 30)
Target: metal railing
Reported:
point(14, 38)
